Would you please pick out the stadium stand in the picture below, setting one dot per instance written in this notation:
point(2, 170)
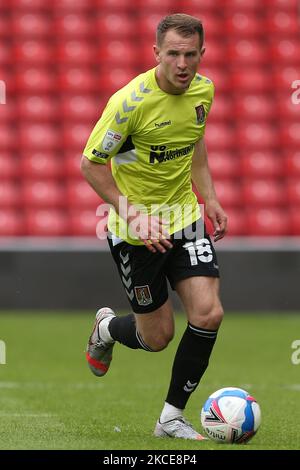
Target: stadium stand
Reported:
point(61, 61)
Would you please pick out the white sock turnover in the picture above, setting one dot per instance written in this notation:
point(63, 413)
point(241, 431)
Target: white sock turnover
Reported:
point(170, 412)
point(103, 330)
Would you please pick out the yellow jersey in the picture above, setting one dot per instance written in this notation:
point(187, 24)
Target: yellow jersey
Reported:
point(149, 136)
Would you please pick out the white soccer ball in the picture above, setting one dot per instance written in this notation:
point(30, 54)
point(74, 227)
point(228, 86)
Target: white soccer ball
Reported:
point(231, 415)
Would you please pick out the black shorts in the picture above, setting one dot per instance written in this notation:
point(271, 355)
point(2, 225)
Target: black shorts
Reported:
point(144, 274)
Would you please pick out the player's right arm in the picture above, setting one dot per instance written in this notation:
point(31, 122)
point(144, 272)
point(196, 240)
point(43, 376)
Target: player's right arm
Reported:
point(106, 139)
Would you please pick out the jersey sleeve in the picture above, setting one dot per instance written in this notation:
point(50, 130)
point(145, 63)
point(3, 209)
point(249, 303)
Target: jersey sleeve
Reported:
point(110, 132)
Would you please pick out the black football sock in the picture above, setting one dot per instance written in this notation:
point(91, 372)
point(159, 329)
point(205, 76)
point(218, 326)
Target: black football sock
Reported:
point(123, 330)
point(190, 363)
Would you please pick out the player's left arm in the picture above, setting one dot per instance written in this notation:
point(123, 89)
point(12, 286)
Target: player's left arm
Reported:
point(202, 179)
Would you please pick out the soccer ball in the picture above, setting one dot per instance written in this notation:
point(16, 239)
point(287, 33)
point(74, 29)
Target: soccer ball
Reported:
point(231, 415)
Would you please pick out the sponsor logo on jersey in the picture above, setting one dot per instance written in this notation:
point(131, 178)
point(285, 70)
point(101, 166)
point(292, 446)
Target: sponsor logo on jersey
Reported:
point(111, 140)
point(161, 154)
point(99, 154)
point(200, 113)
point(162, 124)
point(143, 295)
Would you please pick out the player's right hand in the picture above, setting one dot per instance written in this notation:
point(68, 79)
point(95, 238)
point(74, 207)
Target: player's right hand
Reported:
point(151, 231)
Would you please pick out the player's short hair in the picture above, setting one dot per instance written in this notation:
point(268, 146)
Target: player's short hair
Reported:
point(183, 24)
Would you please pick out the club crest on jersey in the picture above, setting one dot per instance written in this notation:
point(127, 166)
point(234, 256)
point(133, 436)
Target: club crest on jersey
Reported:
point(200, 113)
point(143, 295)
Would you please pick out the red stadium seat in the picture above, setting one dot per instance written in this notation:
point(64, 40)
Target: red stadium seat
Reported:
point(294, 217)
point(282, 5)
point(221, 108)
point(292, 162)
point(290, 134)
point(7, 85)
point(77, 52)
point(42, 165)
point(11, 223)
point(35, 80)
point(74, 25)
point(224, 165)
point(85, 223)
point(9, 194)
point(282, 24)
point(147, 25)
point(256, 106)
point(34, 52)
point(8, 113)
point(42, 193)
point(39, 136)
point(214, 53)
point(76, 135)
point(285, 52)
point(256, 136)
point(148, 59)
point(289, 106)
point(193, 7)
point(31, 25)
point(46, 222)
point(5, 25)
point(115, 25)
point(116, 5)
point(262, 193)
point(261, 164)
point(72, 161)
point(29, 5)
point(268, 222)
point(284, 77)
point(229, 193)
point(212, 25)
point(251, 79)
point(9, 166)
point(293, 191)
point(237, 222)
point(113, 79)
point(244, 25)
point(243, 5)
point(157, 6)
point(80, 194)
point(70, 5)
point(219, 136)
point(118, 53)
point(78, 80)
point(8, 137)
point(81, 108)
point(6, 56)
point(247, 52)
point(38, 108)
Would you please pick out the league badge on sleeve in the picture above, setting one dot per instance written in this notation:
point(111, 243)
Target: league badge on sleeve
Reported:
point(200, 113)
point(111, 140)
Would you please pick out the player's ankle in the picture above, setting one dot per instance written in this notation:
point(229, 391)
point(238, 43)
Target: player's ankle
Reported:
point(104, 331)
point(170, 412)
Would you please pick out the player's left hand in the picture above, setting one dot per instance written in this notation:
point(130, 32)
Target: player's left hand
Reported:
point(218, 218)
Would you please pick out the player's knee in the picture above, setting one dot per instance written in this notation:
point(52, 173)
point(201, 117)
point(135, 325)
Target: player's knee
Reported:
point(216, 316)
point(209, 316)
point(159, 341)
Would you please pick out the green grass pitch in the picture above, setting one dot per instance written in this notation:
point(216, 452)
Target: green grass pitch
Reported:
point(50, 400)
